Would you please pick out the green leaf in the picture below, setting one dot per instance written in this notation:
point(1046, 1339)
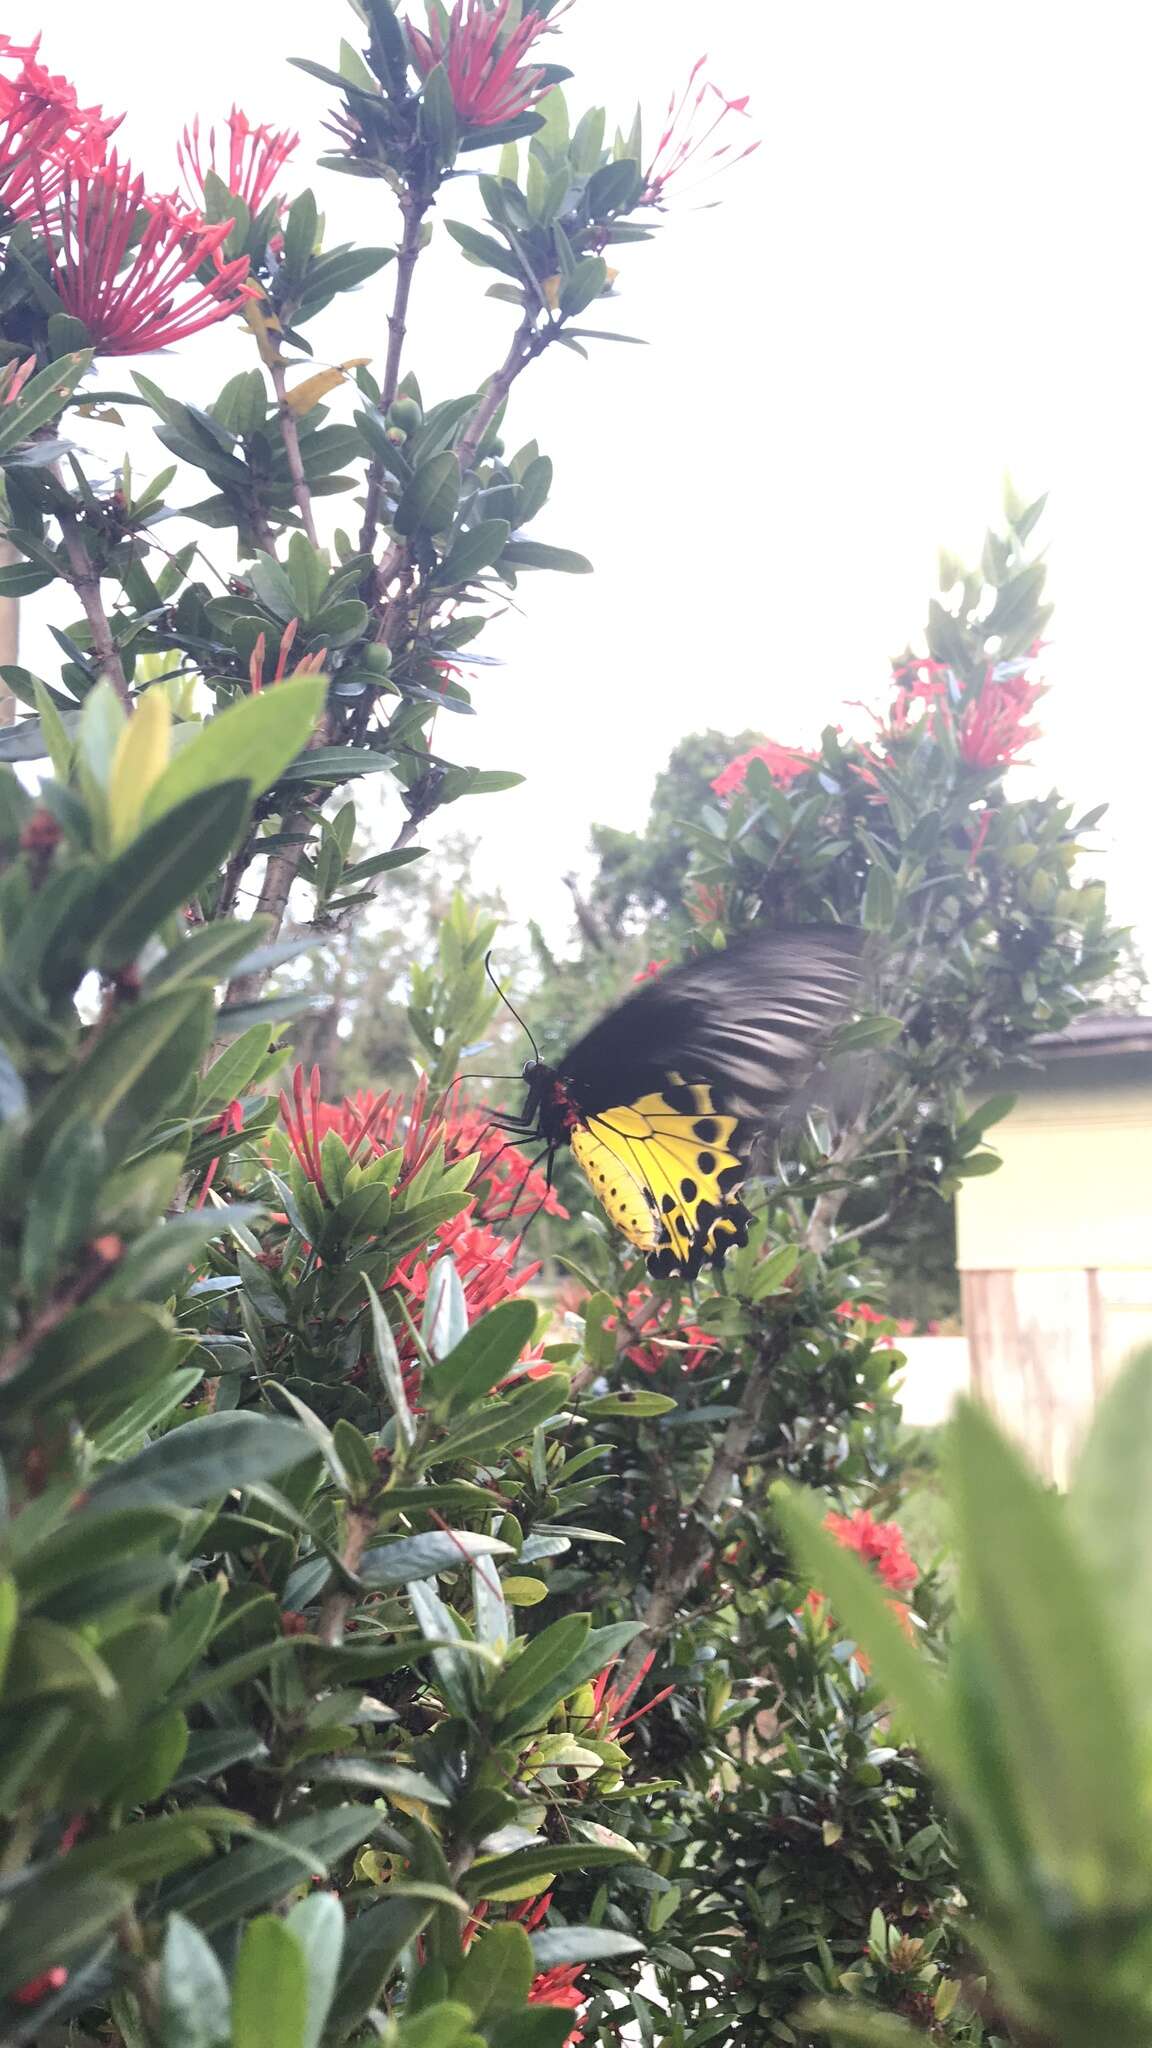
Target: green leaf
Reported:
point(491, 1875)
point(258, 1872)
point(429, 501)
point(62, 1202)
point(485, 1355)
point(474, 550)
point(879, 909)
point(536, 554)
point(269, 1987)
point(163, 868)
point(1050, 1666)
point(318, 1925)
point(586, 283)
point(42, 399)
point(555, 1948)
point(388, 1364)
point(373, 1946)
point(254, 741)
point(496, 1975)
point(970, 1132)
point(57, 1921)
point(130, 1071)
point(503, 1421)
point(1110, 1507)
point(544, 1658)
point(203, 1461)
point(861, 1605)
point(638, 1402)
point(194, 1998)
point(483, 249)
point(438, 128)
point(421, 1557)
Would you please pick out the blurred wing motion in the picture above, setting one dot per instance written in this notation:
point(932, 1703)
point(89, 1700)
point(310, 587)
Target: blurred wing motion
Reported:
point(664, 1099)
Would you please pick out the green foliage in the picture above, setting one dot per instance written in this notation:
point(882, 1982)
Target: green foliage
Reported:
point(328, 1555)
point(1036, 1728)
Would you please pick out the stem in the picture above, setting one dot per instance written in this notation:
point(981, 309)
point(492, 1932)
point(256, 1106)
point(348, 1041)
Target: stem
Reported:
point(289, 434)
point(276, 888)
point(693, 1543)
point(86, 584)
point(414, 205)
point(528, 342)
point(336, 1608)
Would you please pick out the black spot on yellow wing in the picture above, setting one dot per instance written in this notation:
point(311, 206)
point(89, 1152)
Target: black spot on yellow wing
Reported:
point(667, 1168)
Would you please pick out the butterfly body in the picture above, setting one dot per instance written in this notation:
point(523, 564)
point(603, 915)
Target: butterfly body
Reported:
point(664, 1099)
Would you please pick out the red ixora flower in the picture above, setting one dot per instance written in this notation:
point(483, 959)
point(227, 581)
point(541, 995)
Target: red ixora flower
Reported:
point(44, 131)
point(880, 1544)
point(127, 265)
point(482, 57)
point(992, 726)
point(256, 157)
point(688, 131)
point(784, 764)
point(556, 1987)
point(656, 1340)
point(559, 1987)
point(989, 721)
point(227, 1123)
point(370, 1125)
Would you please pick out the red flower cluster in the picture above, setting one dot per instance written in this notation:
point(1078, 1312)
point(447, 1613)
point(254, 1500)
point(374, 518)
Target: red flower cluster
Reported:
point(863, 1312)
point(688, 131)
point(505, 1185)
point(992, 727)
point(256, 157)
point(559, 1987)
point(880, 1544)
point(611, 1717)
point(652, 971)
point(44, 132)
point(784, 764)
point(989, 724)
point(482, 59)
point(371, 1125)
point(556, 1987)
point(127, 265)
point(656, 1341)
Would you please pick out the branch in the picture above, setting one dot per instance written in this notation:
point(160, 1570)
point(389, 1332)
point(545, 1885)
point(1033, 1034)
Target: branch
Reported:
point(694, 1540)
point(334, 1613)
point(414, 205)
point(289, 434)
point(276, 888)
point(86, 583)
point(528, 342)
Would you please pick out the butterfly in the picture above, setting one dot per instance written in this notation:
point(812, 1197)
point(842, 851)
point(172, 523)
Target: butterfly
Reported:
point(663, 1101)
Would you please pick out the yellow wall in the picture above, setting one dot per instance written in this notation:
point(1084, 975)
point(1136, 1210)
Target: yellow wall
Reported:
point(1075, 1187)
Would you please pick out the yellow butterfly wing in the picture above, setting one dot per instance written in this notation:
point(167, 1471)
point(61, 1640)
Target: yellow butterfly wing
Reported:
point(667, 1175)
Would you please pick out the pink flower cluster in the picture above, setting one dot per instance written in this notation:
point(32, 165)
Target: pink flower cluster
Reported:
point(140, 272)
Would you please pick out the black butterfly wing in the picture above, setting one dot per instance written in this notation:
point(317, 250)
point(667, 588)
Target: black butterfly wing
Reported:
point(750, 1020)
point(675, 1086)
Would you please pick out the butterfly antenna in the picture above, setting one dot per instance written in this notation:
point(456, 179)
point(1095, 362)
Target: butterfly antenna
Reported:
point(508, 1005)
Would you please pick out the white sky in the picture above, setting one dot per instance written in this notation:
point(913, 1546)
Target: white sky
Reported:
point(934, 270)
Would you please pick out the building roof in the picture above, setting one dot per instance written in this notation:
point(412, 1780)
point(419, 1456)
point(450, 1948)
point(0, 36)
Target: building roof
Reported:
point(1096, 1034)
